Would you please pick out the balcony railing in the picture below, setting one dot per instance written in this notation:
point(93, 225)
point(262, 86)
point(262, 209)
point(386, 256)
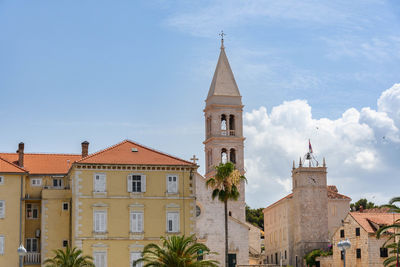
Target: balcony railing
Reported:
point(32, 258)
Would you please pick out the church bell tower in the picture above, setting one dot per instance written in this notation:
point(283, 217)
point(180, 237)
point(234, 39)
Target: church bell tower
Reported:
point(224, 125)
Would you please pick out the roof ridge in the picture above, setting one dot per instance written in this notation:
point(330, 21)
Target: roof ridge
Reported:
point(135, 143)
point(42, 153)
point(14, 165)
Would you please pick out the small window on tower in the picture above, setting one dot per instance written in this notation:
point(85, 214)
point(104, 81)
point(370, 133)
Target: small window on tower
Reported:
point(358, 231)
point(224, 156)
point(65, 243)
point(342, 233)
point(232, 156)
point(223, 124)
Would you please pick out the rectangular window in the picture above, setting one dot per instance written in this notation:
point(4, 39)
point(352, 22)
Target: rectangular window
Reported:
point(32, 211)
point(36, 181)
point(2, 208)
point(65, 243)
point(358, 253)
point(100, 221)
point(65, 205)
point(173, 222)
point(57, 182)
point(341, 254)
point(100, 258)
point(1, 180)
point(136, 222)
point(342, 233)
point(358, 231)
point(136, 183)
point(32, 245)
point(1, 245)
point(99, 182)
point(172, 183)
point(135, 256)
point(384, 252)
point(285, 255)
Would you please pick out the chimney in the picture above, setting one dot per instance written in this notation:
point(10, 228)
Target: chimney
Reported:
point(20, 152)
point(361, 208)
point(85, 148)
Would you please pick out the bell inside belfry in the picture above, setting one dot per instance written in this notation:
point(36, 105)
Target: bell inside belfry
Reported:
point(308, 156)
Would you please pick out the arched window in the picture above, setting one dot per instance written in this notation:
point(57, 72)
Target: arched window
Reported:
point(231, 124)
point(232, 155)
point(224, 156)
point(223, 124)
point(208, 127)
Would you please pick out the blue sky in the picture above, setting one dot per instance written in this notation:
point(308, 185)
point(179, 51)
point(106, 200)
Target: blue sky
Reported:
point(104, 71)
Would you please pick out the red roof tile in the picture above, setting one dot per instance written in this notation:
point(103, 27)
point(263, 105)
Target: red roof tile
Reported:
point(122, 153)
point(369, 221)
point(44, 163)
point(8, 167)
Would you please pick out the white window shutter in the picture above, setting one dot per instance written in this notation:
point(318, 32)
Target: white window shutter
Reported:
point(129, 183)
point(102, 183)
point(96, 222)
point(175, 184)
point(176, 222)
point(104, 222)
point(140, 222)
point(169, 178)
point(1, 245)
point(133, 222)
point(143, 180)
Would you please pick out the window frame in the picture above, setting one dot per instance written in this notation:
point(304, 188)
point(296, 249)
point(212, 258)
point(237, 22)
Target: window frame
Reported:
point(358, 232)
point(96, 185)
point(342, 234)
point(132, 258)
point(130, 186)
point(1, 179)
point(36, 179)
point(134, 224)
point(29, 248)
point(175, 227)
point(95, 261)
point(173, 183)
point(383, 252)
point(63, 207)
point(3, 209)
point(34, 206)
point(358, 253)
point(60, 182)
point(101, 230)
point(63, 243)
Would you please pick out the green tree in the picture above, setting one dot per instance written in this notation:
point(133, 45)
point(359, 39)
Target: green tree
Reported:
point(393, 233)
point(255, 216)
point(225, 185)
point(312, 255)
point(364, 203)
point(69, 258)
point(176, 251)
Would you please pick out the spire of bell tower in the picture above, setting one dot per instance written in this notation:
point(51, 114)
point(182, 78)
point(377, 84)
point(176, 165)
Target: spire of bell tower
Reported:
point(223, 83)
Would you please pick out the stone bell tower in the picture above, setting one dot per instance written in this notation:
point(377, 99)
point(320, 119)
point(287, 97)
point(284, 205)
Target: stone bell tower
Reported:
point(310, 208)
point(224, 126)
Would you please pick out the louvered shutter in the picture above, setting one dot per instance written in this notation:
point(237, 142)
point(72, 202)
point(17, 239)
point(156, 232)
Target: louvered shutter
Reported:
point(175, 184)
point(2, 204)
point(96, 222)
point(140, 222)
point(133, 222)
point(169, 183)
point(175, 222)
point(129, 183)
point(1, 244)
point(103, 221)
point(143, 180)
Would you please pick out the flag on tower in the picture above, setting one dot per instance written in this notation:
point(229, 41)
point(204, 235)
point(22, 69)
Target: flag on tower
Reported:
point(309, 146)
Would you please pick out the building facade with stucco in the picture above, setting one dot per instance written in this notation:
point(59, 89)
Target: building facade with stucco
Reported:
point(305, 219)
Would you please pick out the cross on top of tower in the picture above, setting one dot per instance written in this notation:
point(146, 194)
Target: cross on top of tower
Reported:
point(222, 34)
point(194, 159)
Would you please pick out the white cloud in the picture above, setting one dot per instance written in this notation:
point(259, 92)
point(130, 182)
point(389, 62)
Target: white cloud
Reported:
point(361, 147)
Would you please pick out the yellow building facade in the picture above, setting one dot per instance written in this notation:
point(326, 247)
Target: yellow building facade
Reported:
point(110, 204)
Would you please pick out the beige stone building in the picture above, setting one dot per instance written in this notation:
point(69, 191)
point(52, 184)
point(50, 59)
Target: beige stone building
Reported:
point(305, 219)
point(256, 240)
point(223, 142)
point(360, 229)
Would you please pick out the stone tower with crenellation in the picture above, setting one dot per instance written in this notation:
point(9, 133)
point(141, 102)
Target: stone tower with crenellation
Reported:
point(309, 211)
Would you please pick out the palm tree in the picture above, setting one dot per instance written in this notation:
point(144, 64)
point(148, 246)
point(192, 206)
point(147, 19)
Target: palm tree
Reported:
point(176, 251)
point(69, 258)
point(225, 185)
point(394, 233)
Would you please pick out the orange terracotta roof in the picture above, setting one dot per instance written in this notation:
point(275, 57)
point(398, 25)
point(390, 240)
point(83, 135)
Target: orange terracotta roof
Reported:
point(122, 153)
point(44, 163)
point(370, 222)
point(332, 194)
point(8, 167)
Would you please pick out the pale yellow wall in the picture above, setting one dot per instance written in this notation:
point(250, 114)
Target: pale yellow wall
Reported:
point(276, 227)
point(9, 226)
point(55, 221)
point(337, 211)
point(118, 202)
